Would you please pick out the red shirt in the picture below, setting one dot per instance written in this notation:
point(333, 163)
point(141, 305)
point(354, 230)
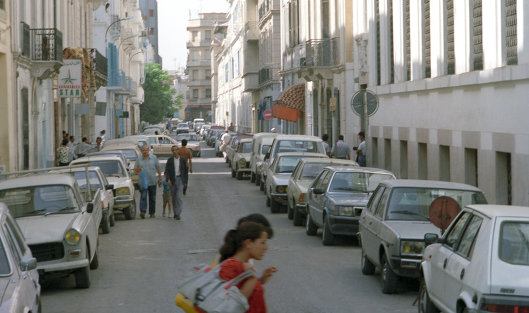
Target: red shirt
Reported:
point(231, 269)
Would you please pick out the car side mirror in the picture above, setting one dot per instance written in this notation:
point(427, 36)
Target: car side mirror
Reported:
point(430, 238)
point(109, 187)
point(318, 191)
point(90, 207)
point(28, 264)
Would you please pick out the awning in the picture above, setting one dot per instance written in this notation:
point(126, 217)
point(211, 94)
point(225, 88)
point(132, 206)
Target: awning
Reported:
point(290, 103)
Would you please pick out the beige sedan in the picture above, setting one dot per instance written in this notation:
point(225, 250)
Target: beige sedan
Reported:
point(161, 144)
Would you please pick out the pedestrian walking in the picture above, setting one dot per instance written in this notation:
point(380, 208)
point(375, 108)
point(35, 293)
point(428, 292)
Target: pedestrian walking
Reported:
point(64, 155)
point(184, 152)
point(325, 139)
point(99, 144)
point(361, 151)
point(103, 135)
point(150, 165)
point(166, 198)
point(246, 242)
point(225, 139)
point(176, 176)
point(341, 150)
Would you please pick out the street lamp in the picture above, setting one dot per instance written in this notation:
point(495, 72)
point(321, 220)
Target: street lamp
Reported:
point(121, 19)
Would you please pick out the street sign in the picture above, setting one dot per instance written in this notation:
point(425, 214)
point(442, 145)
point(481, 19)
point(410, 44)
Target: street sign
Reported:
point(267, 114)
point(69, 79)
point(357, 103)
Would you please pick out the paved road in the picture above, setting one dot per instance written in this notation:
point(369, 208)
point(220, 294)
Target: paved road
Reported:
point(141, 260)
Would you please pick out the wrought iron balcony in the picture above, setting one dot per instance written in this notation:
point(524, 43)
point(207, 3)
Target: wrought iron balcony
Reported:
point(99, 62)
point(46, 44)
point(266, 74)
point(321, 53)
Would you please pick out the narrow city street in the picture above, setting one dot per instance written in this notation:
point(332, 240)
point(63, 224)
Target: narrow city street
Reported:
point(140, 261)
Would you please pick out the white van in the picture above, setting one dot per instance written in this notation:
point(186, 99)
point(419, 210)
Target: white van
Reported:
point(260, 144)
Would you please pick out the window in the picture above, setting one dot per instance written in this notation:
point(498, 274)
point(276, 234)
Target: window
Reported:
point(293, 22)
point(477, 32)
point(513, 242)
point(511, 32)
point(377, 21)
point(226, 72)
point(387, 154)
point(208, 93)
point(194, 35)
point(195, 75)
point(382, 204)
point(423, 161)
point(208, 35)
point(373, 202)
point(374, 151)
point(471, 167)
point(503, 178)
point(232, 68)
point(17, 234)
point(469, 237)
point(208, 74)
point(427, 54)
point(444, 163)
point(319, 181)
point(357, 182)
point(452, 237)
point(195, 93)
point(390, 42)
point(325, 33)
point(408, 38)
point(403, 159)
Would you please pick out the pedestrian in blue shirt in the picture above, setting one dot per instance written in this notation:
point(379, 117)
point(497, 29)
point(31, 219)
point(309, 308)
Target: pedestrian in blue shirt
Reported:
point(166, 198)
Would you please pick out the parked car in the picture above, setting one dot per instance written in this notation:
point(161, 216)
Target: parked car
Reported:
point(480, 264)
point(18, 272)
point(261, 143)
point(141, 141)
point(302, 177)
point(97, 181)
point(204, 130)
point(276, 186)
point(290, 143)
point(161, 145)
point(60, 226)
point(193, 143)
point(155, 130)
point(117, 175)
point(240, 163)
point(397, 216)
point(231, 148)
point(212, 136)
point(182, 128)
point(337, 197)
point(132, 154)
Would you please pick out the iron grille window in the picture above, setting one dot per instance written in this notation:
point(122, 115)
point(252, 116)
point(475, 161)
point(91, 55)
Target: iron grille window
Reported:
point(391, 48)
point(377, 19)
point(477, 35)
point(427, 54)
point(451, 58)
point(510, 32)
point(408, 44)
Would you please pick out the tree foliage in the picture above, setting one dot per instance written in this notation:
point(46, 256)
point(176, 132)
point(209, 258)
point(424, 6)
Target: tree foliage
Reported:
point(160, 99)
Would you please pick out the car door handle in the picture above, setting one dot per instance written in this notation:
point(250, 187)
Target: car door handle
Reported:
point(444, 264)
point(462, 274)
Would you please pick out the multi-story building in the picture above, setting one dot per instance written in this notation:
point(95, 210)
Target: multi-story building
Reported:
point(452, 104)
point(179, 84)
point(316, 64)
point(8, 124)
point(198, 68)
point(149, 11)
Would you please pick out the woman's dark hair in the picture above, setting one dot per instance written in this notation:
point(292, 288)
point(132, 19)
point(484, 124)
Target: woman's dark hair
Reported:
point(64, 142)
point(234, 239)
point(259, 219)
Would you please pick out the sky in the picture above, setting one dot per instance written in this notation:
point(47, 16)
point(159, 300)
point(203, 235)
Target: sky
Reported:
point(172, 23)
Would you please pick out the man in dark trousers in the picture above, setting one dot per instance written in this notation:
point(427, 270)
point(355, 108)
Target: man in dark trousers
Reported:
point(176, 175)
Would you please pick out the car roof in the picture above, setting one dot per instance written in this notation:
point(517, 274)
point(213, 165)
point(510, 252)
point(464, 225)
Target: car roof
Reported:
point(102, 157)
point(38, 180)
point(303, 154)
point(499, 210)
point(121, 147)
point(342, 168)
point(298, 137)
point(259, 135)
point(246, 140)
point(120, 141)
point(67, 169)
point(429, 184)
point(329, 161)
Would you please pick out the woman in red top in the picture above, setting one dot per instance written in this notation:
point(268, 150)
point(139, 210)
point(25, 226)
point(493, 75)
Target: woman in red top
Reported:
point(246, 242)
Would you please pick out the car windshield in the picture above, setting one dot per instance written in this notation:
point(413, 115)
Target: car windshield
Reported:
point(311, 170)
point(110, 167)
point(188, 137)
point(264, 149)
point(299, 146)
point(95, 183)
point(357, 181)
point(130, 154)
point(286, 164)
point(514, 242)
point(182, 125)
point(246, 147)
point(413, 204)
point(5, 269)
point(39, 200)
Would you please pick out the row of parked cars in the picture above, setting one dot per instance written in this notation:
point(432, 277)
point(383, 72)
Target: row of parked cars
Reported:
point(469, 256)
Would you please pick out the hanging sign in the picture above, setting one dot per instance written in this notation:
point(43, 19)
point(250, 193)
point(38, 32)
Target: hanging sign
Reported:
point(69, 80)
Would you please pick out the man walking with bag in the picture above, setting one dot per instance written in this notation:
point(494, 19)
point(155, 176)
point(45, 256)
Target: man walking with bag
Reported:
point(176, 175)
point(150, 165)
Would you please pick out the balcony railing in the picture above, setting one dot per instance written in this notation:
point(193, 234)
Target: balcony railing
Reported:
point(264, 8)
point(266, 74)
point(99, 62)
point(321, 52)
point(46, 44)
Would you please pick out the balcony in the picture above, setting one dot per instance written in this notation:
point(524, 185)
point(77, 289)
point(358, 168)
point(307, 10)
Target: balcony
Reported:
point(250, 82)
point(321, 53)
point(199, 62)
point(45, 51)
point(266, 74)
point(264, 9)
point(251, 32)
point(201, 43)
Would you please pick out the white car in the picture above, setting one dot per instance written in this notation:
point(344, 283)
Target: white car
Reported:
point(117, 175)
point(18, 273)
point(480, 264)
point(240, 163)
point(59, 226)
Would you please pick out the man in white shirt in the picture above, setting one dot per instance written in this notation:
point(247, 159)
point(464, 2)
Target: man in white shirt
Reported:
point(225, 140)
point(103, 135)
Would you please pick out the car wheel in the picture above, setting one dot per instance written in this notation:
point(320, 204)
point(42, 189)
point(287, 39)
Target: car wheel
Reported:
point(233, 173)
point(290, 211)
point(82, 276)
point(296, 217)
point(275, 207)
point(112, 219)
point(310, 228)
point(239, 174)
point(95, 261)
point(425, 304)
point(252, 178)
point(130, 211)
point(328, 236)
point(257, 180)
point(105, 225)
point(368, 268)
point(389, 278)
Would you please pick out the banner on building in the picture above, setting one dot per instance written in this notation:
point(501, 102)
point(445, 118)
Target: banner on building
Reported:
point(69, 80)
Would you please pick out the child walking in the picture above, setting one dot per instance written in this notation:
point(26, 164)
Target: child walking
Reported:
point(166, 198)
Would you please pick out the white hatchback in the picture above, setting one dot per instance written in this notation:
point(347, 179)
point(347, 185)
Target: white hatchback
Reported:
point(481, 264)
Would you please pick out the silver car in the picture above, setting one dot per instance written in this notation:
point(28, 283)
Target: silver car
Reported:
point(18, 269)
point(397, 217)
point(240, 163)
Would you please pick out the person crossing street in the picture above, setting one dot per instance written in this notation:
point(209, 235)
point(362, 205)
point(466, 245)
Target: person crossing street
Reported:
point(176, 175)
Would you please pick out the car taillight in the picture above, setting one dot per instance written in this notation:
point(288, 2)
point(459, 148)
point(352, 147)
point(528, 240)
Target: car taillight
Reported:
point(302, 197)
point(506, 308)
point(102, 206)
